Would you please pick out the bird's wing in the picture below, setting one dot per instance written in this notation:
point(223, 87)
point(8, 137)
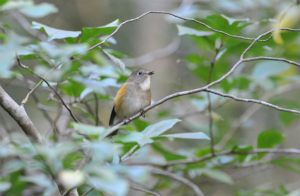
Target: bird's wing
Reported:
point(112, 116)
point(118, 103)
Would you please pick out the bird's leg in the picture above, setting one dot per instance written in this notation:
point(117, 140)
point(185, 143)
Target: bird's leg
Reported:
point(126, 121)
point(142, 111)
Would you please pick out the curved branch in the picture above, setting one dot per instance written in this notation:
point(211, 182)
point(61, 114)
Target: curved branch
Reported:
point(178, 178)
point(176, 16)
point(252, 101)
point(228, 152)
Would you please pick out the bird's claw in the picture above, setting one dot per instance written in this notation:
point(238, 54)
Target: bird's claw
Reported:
point(126, 121)
point(142, 111)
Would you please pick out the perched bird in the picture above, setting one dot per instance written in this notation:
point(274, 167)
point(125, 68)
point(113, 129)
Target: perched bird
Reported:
point(133, 96)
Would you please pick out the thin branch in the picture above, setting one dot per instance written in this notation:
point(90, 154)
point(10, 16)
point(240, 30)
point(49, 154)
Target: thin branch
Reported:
point(272, 59)
point(38, 84)
point(212, 65)
point(86, 193)
point(145, 190)
point(178, 178)
point(44, 112)
point(49, 85)
point(176, 16)
point(252, 110)
point(252, 101)
point(209, 156)
point(96, 109)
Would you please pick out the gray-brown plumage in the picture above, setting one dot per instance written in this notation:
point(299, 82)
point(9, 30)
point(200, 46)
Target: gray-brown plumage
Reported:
point(133, 96)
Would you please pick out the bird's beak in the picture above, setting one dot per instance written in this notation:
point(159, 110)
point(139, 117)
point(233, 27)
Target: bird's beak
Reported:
point(150, 72)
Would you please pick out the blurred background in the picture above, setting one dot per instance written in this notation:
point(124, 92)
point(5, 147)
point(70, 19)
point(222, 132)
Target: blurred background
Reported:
point(153, 42)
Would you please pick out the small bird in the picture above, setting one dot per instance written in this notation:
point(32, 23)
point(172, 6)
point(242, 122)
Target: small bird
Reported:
point(133, 96)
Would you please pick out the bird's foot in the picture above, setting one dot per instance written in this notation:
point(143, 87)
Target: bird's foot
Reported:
point(142, 111)
point(126, 121)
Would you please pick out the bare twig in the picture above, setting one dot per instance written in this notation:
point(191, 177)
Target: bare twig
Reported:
point(176, 16)
point(178, 178)
point(44, 112)
point(144, 190)
point(38, 84)
point(96, 109)
point(86, 193)
point(212, 143)
point(49, 85)
point(209, 156)
point(252, 101)
point(252, 110)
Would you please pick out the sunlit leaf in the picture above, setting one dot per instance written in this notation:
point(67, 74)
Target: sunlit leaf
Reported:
point(182, 30)
point(117, 61)
point(71, 179)
point(4, 186)
point(217, 175)
point(266, 69)
point(54, 33)
point(195, 136)
point(89, 129)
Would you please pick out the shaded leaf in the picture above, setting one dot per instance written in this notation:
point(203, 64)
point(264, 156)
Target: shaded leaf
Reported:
point(292, 164)
point(168, 154)
point(194, 58)
point(269, 139)
point(91, 32)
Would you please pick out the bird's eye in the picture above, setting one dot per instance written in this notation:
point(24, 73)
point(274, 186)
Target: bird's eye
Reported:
point(140, 73)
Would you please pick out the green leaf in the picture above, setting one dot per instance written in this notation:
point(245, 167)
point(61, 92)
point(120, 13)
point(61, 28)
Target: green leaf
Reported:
point(266, 69)
point(4, 186)
point(109, 182)
point(140, 124)
point(157, 129)
point(288, 118)
point(117, 61)
point(129, 138)
point(28, 8)
point(288, 163)
point(13, 45)
point(217, 175)
point(194, 58)
point(168, 154)
point(195, 136)
point(242, 157)
point(72, 88)
point(88, 32)
point(55, 33)
point(98, 86)
point(39, 11)
point(233, 20)
point(39, 179)
point(182, 30)
point(269, 139)
point(3, 2)
point(89, 129)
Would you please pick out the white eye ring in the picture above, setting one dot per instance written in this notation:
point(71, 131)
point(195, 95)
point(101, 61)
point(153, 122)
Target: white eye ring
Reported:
point(140, 73)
